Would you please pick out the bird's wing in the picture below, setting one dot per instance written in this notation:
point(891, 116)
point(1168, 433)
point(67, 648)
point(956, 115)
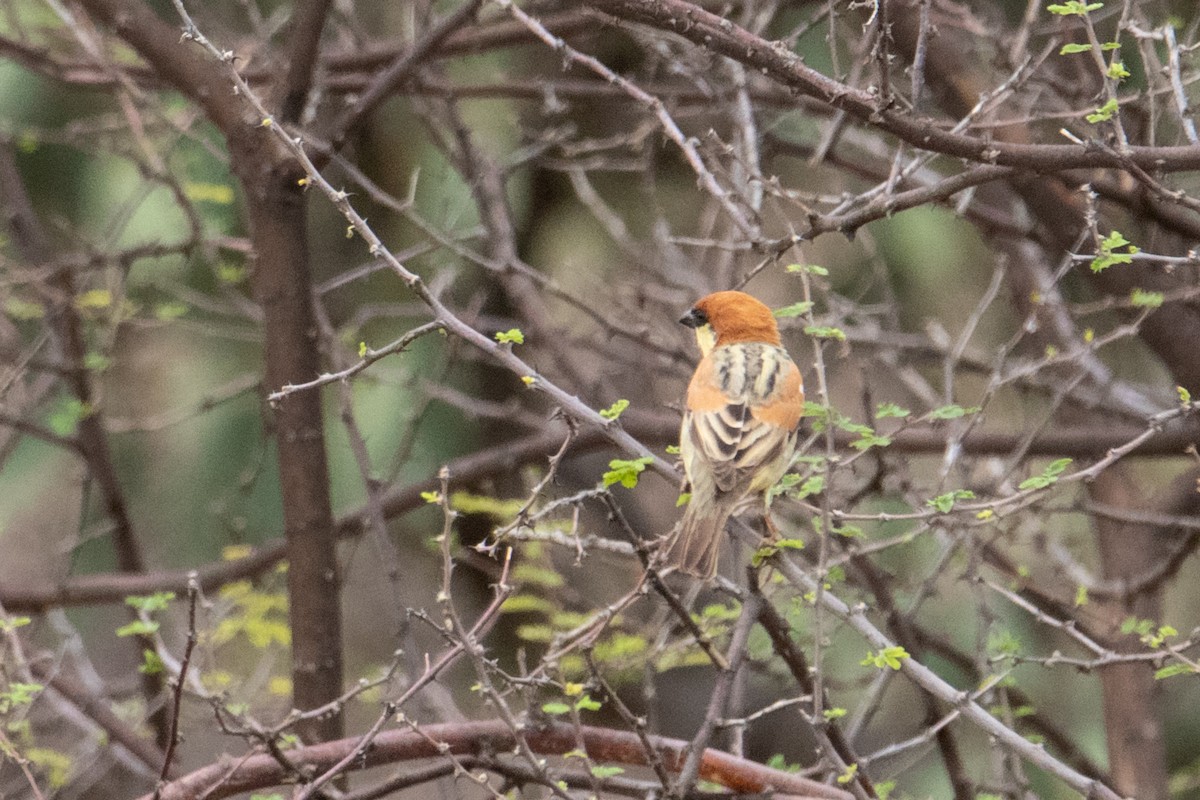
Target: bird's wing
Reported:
point(743, 405)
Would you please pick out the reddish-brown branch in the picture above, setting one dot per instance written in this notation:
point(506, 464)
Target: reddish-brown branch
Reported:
point(348, 70)
point(720, 35)
point(503, 458)
point(180, 680)
point(602, 745)
point(114, 588)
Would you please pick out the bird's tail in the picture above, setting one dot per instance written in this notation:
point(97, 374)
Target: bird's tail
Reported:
point(697, 544)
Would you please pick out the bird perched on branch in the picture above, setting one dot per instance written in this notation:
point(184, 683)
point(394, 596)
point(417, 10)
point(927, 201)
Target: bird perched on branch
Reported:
point(740, 424)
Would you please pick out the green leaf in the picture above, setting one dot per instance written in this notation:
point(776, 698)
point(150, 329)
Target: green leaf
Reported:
point(499, 509)
point(869, 440)
point(834, 713)
point(625, 472)
point(20, 309)
point(672, 450)
point(810, 269)
point(783, 486)
point(795, 309)
point(769, 549)
point(825, 332)
point(55, 765)
point(205, 192)
point(67, 415)
point(815, 484)
point(1156, 639)
point(1117, 71)
point(1107, 255)
point(1103, 262)
point(8, 624)
point(586, 703)
point(887, 410)
point(1171, 670)
point(1140, 298)
point(151, 663)
point(683, 499)
point(850, 426)
point(1074, 47)
point(1081, 595)
point(953, 411)
point(169, 311)
point(615, 410)
point(1185, 396)
point(555, 709)
point(231, 273)
point(542, 634)
point(889, 657)
point(528, 572)
point(760, 556)
point(94, 298)
point(96, 362)
point(1104, 112)
point(606, 772)
point(1048, 477)
point(1003, 642)
point(817, 415)
point(779, 762)
point(510, 336)
point(1073, 7)
point(152, 602)
point(138, 628)
point(945, 502)
point(526, 603)
point(19, 694)
point(1113, 241)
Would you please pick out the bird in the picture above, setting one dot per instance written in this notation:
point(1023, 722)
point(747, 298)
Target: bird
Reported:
point(740, 423)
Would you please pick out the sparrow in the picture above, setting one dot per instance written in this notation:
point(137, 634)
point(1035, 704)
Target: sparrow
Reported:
point(740, 422)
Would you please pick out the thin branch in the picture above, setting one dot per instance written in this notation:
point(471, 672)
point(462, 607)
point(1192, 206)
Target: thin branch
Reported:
point(193, 595)
point(930, 682)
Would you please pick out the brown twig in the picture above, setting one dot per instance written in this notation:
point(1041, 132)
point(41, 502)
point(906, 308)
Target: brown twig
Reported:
point(193, 595)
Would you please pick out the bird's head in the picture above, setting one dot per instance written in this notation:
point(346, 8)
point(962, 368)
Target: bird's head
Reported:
point(730, 317)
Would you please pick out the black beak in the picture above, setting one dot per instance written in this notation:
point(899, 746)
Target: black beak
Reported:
point(694, 318)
